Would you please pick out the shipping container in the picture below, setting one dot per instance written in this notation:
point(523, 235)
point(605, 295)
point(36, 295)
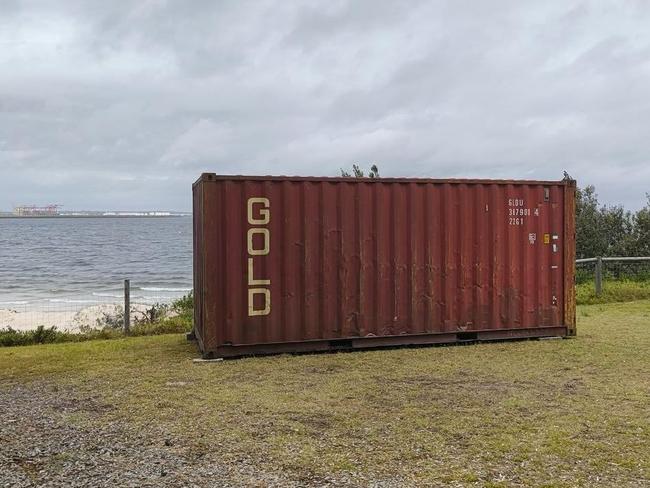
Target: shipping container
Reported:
point(290, 264)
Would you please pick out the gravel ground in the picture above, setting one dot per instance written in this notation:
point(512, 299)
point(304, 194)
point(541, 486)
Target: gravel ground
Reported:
point(50, 437)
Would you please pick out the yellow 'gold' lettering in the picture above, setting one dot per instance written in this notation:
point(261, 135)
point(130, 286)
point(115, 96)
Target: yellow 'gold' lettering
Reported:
point(261, 217)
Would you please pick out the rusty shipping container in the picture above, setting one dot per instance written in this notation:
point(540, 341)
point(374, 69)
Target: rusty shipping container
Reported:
point(288, 264)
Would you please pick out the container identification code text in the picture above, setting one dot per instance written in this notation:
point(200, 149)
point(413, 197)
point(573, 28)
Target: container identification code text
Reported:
point(517, 211)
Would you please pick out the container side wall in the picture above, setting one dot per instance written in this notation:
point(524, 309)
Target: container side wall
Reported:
point(212, 298)
point(570, 257)
point(367, 268)
point(294, 260)
point(313, 284)
point(197, 259)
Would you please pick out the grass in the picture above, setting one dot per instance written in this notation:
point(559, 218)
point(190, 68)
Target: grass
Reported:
point(538, 413)
point(613, 291)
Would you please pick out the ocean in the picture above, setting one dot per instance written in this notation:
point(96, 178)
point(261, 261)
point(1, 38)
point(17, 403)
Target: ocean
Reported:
point(68, 261)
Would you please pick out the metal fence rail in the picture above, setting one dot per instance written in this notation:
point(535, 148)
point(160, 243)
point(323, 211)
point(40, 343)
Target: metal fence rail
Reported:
point(622, 259)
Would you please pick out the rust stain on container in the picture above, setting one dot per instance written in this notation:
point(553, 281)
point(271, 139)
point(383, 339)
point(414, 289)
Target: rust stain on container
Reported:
point(288, 264)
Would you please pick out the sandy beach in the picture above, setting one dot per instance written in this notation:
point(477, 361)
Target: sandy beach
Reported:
point(70, 320)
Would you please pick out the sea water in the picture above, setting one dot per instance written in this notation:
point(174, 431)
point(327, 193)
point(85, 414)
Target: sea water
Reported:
point(78, 261)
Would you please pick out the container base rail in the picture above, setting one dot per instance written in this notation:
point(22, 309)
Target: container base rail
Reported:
point(361, 343)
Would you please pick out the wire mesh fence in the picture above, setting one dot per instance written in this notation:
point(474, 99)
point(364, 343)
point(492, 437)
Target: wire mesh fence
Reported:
point(601, 269)
point(81, 311)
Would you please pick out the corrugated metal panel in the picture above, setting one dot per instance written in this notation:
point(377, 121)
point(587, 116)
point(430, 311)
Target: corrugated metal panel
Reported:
point(312, 261)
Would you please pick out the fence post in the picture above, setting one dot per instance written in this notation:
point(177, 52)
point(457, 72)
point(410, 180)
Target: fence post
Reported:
point(598, 276)
point(127, 306)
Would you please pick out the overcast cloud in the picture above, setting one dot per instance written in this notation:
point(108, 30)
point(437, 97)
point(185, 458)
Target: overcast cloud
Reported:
point(121, 105)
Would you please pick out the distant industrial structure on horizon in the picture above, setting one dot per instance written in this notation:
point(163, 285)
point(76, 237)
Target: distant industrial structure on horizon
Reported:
point(54, 210)
point(51, 210)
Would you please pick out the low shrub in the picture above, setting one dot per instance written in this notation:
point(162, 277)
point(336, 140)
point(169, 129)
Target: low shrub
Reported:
point(40, 335)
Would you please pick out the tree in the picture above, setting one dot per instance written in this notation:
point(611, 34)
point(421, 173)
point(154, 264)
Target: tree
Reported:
point(602, 230)
point(587, 223)
point(640, 241)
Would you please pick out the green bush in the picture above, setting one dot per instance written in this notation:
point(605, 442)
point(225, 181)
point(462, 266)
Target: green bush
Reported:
point(50, 335)
point(170, 325)
point(112, 319)
point(184, 306)
point(153, 314)
point(41, 335)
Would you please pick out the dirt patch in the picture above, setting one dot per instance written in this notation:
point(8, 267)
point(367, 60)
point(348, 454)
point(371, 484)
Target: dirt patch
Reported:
point(42, 446)
point(91, 405)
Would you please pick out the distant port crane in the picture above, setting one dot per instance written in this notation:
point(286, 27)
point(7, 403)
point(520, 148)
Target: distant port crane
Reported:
point(36, 211)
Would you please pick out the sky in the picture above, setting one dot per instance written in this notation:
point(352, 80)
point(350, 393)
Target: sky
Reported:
point(122, 104)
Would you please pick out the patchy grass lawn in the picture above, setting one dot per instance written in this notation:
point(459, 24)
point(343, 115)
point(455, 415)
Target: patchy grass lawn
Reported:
point(537, 413)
